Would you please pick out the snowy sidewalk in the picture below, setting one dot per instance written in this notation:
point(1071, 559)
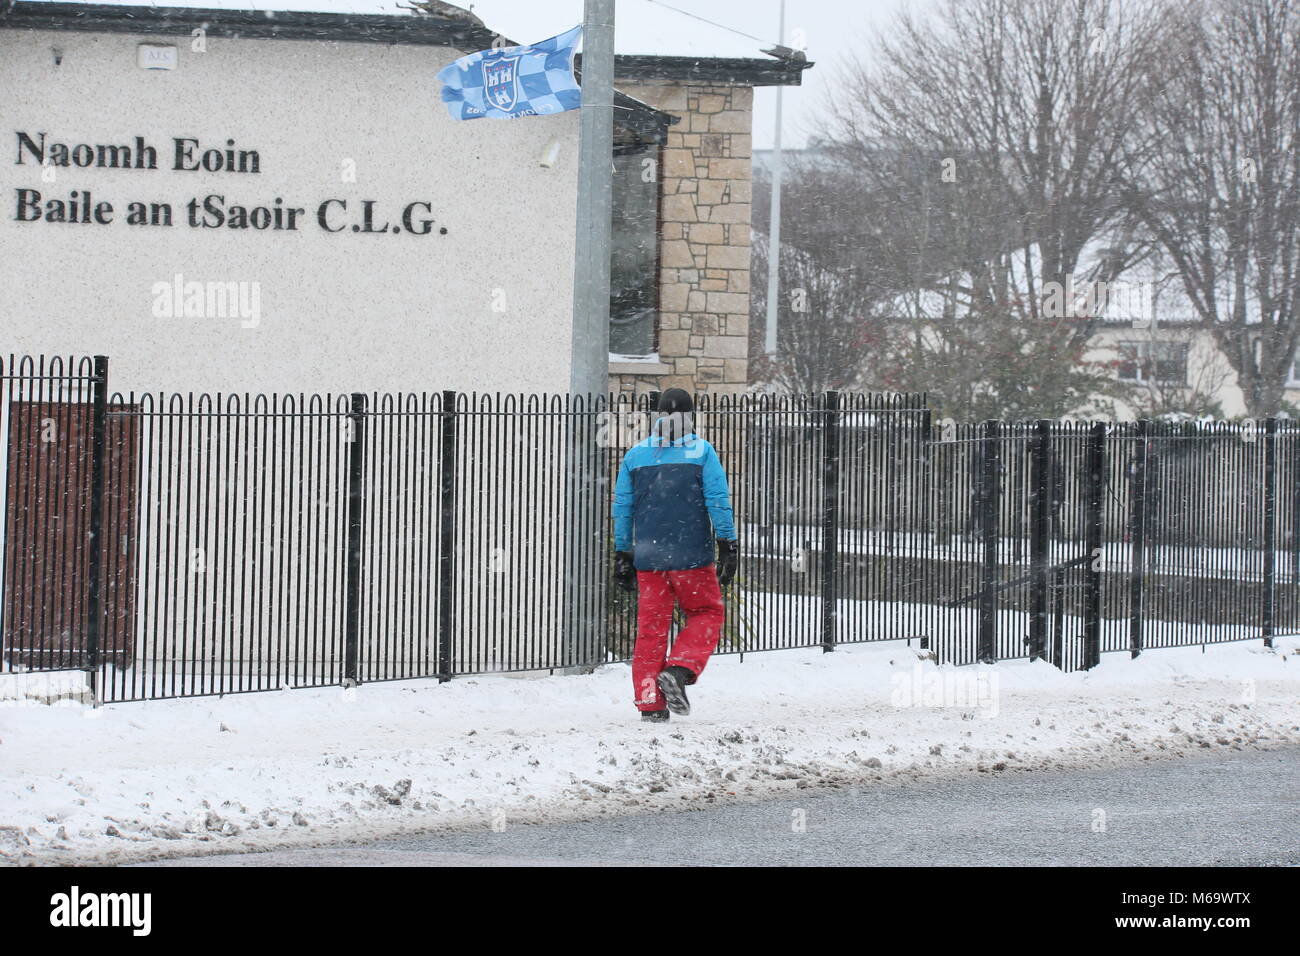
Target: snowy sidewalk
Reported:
point(303, 767)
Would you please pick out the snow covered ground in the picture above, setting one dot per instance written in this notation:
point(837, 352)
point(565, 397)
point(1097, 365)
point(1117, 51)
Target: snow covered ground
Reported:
point(301, 767)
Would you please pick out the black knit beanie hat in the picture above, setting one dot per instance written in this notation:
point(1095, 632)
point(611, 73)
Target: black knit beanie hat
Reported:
point(675, 400)
point(676, 415)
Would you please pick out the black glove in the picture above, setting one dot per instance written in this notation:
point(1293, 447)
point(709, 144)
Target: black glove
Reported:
point(624, 570)
point(728, 559)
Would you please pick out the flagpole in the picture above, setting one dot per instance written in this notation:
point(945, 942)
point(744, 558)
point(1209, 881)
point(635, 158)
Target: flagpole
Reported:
point(589, 350)
point(774, 229)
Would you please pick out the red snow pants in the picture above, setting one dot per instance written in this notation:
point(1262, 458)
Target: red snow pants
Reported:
point(697, 591)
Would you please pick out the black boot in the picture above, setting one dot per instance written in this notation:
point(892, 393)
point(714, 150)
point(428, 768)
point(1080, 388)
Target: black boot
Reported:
point(673, 681)
point(655, 716)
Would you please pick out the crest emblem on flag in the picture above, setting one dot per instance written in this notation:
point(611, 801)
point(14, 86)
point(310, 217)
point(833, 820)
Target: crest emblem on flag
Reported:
point(501, 81)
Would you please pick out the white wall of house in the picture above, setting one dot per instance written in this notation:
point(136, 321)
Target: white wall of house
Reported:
point(484, 306)
point(1208, 371)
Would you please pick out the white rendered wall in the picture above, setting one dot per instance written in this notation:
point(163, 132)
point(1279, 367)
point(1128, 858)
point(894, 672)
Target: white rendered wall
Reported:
point(486, 306)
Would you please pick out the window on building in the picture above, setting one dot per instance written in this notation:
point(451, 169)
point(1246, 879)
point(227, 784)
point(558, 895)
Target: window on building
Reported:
point(1293, 375)
point(1155, 363)
point(634, 251)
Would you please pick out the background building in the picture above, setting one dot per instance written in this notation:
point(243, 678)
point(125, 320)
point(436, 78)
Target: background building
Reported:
point(279, 202)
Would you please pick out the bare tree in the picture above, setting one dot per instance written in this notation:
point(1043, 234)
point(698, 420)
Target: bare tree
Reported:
point(834, 278)
point(825, 331)
point(1222, 195)
point(871, 278)
point(1027, 101)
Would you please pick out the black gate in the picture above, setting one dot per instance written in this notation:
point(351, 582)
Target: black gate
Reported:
point(1025, 542)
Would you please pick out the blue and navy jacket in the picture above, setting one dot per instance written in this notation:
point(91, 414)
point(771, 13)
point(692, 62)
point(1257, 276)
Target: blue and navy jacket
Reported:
point(670, 502)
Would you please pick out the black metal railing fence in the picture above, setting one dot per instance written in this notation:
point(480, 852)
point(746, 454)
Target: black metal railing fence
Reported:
point(177, 545)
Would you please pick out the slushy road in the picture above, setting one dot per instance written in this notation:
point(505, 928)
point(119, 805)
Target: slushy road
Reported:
point(1241, 808)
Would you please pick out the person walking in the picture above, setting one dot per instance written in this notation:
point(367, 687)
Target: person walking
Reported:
point(671, 502)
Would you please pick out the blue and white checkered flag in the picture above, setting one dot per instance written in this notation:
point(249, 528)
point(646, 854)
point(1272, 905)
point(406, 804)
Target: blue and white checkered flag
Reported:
point(514, 80)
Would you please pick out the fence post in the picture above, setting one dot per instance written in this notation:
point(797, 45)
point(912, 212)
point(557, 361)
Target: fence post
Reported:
point(1092, 588)
point(1294, 541)
point(447, 486)
point(1040, 536)
point(830, 518)
point(356, 510)
point(1270, 529)
point(651, 409)
point(1295, 504)
point(95, 538)
point(1138, 533)
point(990, 511)
point(915, 592)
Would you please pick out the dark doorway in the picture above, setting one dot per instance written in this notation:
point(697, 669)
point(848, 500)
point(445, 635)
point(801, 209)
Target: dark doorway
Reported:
point(47, 520)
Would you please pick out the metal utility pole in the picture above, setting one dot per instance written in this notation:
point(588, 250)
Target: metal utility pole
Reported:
point(587, 491)
point(774, 230)
point(590, 349)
